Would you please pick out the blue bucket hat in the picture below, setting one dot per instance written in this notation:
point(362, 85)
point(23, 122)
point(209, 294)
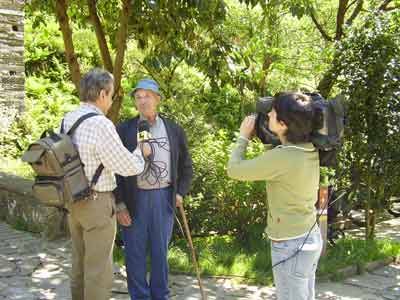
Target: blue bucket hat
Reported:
point(146, 84)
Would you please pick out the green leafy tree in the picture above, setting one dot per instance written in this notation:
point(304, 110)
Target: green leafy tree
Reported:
point(347, 13)
point(168, 26)
point(370, 62)
point(331, 19)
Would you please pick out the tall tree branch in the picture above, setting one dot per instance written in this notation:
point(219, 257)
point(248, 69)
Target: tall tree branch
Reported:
point(268, 60)
point(384, 5)
point(144, 66)
point(355, 13)
point(340, 17)
point(122, 35)
point(329, 78)
point(351, 4)
point(73, 65)
point(171, 75)
point(101, 38)
point(319, 27)
point(389, 8)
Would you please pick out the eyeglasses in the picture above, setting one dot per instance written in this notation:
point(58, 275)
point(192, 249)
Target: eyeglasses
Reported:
point(142, 97)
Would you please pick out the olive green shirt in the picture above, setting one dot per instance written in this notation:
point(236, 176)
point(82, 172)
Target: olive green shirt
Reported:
point(291, 173)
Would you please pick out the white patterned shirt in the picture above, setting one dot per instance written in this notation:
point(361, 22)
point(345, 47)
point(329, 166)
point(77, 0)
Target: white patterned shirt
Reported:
point(162, 159)
point(98, 142)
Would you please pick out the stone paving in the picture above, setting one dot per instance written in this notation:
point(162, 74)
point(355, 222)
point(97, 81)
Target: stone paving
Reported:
point(34, 269)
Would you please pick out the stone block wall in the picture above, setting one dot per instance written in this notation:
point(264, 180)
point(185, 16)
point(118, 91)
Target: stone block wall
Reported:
point(19, 208)
point(17, 204)
point(12, 77)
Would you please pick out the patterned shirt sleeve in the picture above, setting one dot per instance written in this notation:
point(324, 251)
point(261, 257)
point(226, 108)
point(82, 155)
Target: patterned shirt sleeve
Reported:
point(114, 155)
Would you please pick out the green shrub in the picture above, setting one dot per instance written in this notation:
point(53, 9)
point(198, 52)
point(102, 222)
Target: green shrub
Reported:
point(218, 203)
point(45, 105)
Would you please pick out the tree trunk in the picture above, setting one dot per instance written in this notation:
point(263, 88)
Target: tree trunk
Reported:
point(122, 35)
point(370, 212)
point(340, 19)
point(370, 221)
point(101, 38)
point(61, 13)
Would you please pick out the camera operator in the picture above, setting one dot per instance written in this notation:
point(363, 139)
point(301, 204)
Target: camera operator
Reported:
point(291, 172)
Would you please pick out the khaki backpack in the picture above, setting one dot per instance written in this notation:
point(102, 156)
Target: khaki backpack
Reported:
point(60, 178)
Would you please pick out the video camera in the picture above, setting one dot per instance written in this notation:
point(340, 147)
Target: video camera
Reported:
point(327, 138)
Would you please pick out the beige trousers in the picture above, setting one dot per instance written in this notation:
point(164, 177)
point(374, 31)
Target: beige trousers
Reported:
point(92, 226)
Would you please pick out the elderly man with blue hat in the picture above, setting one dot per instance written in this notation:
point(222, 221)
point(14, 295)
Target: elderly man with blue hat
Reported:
point(146, 202)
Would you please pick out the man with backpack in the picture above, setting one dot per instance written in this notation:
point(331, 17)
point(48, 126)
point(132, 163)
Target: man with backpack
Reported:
point(92, 222)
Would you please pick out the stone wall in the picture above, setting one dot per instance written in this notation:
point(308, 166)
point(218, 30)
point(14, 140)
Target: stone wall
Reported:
point(19, 208)
point(17, 204)
point(11, 61)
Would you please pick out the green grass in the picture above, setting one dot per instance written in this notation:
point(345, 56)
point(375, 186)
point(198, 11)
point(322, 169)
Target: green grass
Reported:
point(224, 256)
point(251, 263)
point(16, 167)
point(356, 252)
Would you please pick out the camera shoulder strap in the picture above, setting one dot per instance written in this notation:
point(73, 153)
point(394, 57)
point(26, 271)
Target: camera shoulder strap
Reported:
point(297, 147)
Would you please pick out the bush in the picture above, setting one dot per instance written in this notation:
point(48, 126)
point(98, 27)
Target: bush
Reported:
point(370, 78)
point(45, 104)
point(218, 203)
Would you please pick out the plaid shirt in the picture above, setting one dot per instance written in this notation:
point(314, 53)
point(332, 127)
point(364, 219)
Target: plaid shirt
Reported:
point(98, 142)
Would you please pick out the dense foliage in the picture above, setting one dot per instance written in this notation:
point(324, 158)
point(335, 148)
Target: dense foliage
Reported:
point(370, 77)
point(213, 59)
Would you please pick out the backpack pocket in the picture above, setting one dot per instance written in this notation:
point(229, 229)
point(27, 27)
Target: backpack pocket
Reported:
point(76, 186)
point(49, 192)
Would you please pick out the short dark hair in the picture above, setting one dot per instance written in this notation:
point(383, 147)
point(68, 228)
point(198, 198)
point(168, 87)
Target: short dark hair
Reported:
point(296, 111)
point(93, 82)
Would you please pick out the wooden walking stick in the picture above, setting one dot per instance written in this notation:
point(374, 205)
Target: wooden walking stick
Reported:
point(189, 238)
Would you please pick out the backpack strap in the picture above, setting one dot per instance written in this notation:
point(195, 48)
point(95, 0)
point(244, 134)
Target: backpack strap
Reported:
point(62, 127)
point(96, 175)
point(77, 123)
point(70, 132)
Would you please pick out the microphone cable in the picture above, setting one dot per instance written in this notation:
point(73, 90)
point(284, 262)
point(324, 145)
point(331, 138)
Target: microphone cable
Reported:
point(154, 170)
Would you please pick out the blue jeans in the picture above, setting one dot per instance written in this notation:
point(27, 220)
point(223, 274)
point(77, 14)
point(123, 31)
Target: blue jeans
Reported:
point(151, 230)
point(295, 278)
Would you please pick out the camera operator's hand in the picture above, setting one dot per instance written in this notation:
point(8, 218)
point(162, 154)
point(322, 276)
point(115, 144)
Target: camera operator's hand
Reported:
point(247, 128)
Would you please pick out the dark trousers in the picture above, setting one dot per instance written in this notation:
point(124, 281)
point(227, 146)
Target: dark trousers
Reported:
point(151, 230)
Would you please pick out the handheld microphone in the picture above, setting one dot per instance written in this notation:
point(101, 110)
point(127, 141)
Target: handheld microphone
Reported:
point(143, 131)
